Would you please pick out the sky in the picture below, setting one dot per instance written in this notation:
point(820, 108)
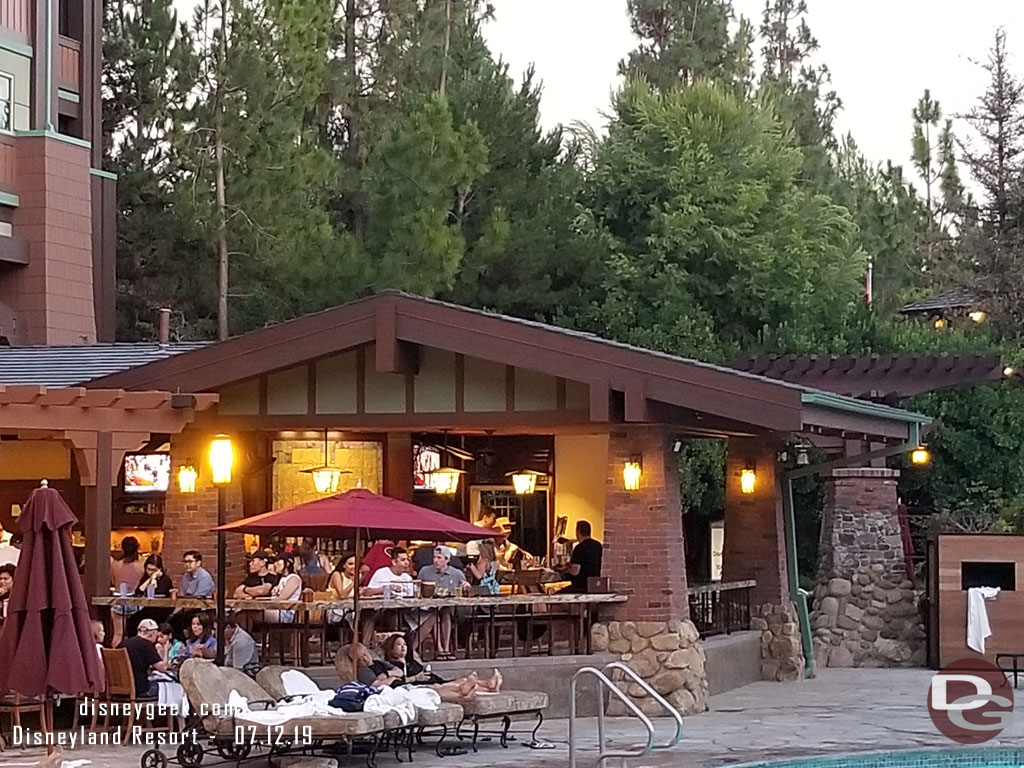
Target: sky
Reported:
point(882, 55)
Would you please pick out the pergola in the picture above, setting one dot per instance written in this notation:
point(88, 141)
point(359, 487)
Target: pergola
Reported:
point(98, 426)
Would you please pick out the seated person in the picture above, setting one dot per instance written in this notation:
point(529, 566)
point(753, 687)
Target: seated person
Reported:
point(260, 580)
point(341, 585)
point(154, 582)
point(448, 580)
point(239, 646)
point(167, 644)
point(399, 581)
point(483, 572)
point(7, 571)
point(196, 581)
point(144, 657)
point(399, 668)
point(200, 642)
point(288, 587)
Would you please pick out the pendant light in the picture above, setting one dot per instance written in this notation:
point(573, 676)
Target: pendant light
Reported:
point(326, 477)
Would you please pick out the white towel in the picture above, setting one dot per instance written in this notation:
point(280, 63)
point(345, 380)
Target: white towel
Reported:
point(978, 629)
point(296, 683)
point(404, 700)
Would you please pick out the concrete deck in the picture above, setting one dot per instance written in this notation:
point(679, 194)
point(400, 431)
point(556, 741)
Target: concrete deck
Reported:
point(841, 711)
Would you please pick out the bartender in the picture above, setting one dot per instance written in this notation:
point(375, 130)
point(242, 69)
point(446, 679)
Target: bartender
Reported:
point(510, 556)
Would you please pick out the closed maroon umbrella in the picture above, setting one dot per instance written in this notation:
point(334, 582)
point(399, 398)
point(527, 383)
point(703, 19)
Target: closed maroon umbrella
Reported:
point(46, 644)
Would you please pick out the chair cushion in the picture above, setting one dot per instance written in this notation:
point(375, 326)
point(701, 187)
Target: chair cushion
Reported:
point(445, 714)
point(505, 703)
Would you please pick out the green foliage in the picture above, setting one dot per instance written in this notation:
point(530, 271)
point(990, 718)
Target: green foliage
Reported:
point(714, 240)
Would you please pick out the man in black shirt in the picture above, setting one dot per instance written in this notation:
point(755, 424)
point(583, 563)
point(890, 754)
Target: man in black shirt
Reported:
point(144, 656)
point(585, 560)
point(260, 580)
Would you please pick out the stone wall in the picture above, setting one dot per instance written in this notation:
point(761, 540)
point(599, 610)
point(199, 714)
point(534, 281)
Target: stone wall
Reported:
point(782, 652)
point(865, 608)
point(667, 655)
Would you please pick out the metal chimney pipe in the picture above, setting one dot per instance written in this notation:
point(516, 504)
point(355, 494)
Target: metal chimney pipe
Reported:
point(165, 327)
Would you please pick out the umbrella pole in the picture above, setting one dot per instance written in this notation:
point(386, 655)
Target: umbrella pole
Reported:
point(357, 632)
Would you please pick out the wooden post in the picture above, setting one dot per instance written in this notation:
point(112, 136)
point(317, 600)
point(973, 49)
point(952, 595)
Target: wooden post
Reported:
point(98, 505)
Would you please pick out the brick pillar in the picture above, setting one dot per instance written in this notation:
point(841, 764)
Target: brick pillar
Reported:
point(644, 558)
point(52, 296)
point(188, 517)
point(755, 539)
point(865, 609)
point(755, 548)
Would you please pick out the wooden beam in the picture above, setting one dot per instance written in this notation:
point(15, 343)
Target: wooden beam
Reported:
point(635, 402)
point(98, 504)
point(398, 465)
point(392, 355)
point(600, 401)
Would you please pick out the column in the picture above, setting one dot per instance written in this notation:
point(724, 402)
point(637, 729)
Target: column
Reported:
point(755, 548)
point(644, 559)
point(865, 607)
point(99, 501)
point(398, 466)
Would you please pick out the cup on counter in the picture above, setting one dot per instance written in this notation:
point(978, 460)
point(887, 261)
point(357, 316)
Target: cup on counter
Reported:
point(174, 594)
point(122, 590)
point(427, 587)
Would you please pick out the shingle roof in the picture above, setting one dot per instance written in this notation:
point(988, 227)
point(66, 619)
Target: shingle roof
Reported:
point(958, 298)
point(66, 366)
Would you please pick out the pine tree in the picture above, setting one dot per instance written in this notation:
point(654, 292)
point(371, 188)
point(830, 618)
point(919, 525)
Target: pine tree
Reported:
point(146, 60)
point(681, 41)
point(934, 158)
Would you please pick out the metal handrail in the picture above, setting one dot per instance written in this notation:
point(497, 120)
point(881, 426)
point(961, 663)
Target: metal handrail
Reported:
point(657, 697)
point(607, 683)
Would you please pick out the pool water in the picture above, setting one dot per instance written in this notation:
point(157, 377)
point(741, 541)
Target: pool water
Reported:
point(967, 757)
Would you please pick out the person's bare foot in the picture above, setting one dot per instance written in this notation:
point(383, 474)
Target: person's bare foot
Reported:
point(53, 760)
point(495, 682)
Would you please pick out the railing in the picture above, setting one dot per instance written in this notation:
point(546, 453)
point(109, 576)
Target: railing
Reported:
point(69, 63)
point(603, 683)
point(722, 607)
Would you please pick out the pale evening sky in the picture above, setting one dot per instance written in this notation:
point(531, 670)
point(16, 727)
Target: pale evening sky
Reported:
point(882, 54)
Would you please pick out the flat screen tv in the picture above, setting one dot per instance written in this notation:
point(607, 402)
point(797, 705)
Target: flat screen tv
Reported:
point(426, 458)
point(147, 472)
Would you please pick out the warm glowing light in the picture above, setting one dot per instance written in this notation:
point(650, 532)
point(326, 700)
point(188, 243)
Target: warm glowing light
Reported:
point(187, 477)
point(977, 316)
point(748, 479)
point(222, 457)
point(445, 481)
point(325, 479)
point(524, 481)
point(920, 456)
point(940, 323)
point(631, 474)
point(1008, 371)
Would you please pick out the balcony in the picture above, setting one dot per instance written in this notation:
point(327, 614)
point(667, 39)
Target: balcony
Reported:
point(69, 64)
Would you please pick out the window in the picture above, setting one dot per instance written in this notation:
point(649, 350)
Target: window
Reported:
point(6, 101)
point(1002, 575)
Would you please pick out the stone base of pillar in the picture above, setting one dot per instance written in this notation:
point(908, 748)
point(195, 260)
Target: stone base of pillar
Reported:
point(782, 653)
point(667, 655)
point(867, 621)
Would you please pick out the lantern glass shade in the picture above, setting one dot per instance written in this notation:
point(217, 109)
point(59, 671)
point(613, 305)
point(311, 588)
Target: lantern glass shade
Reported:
point(920, 456)
point(187, 477)
point(222, 457)
point(445, 480)
point(748, 480)
point(977, 316)
point(631, 474)
point(326, 479)
point(525, 481)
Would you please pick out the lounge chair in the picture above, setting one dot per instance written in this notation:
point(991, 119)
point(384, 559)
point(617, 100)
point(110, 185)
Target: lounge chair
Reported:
point(446, 717)
point(208, 688)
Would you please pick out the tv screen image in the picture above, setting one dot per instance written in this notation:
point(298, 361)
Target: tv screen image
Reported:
point(426, 458)
point(147, 472)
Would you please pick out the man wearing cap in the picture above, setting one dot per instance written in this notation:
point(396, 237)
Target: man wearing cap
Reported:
point(449, 580)
point(260, 580)
point(144, 656)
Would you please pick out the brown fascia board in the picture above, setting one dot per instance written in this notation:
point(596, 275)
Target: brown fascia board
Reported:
point(721, 392)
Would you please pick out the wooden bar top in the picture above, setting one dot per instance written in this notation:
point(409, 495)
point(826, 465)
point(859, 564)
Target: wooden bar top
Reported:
point(367, 603)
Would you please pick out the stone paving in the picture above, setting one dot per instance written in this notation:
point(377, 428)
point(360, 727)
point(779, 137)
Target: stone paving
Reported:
point(842, 710)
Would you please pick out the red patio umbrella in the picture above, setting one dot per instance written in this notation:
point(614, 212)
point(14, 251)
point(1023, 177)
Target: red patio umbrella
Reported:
point(358, 513)
point(46, 643)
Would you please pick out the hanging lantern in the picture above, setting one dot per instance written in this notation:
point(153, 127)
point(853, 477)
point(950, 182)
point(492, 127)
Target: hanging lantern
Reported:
point(326, 477)
point(524, 481)
point(445, 480)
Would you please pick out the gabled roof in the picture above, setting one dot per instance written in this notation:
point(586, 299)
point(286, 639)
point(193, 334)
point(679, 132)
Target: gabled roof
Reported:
point(958, 298)
point(648, 385)
point(62, 366)
point(887, 378)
